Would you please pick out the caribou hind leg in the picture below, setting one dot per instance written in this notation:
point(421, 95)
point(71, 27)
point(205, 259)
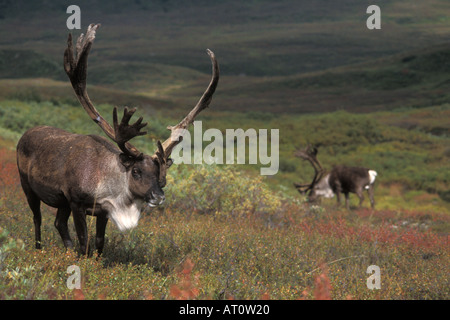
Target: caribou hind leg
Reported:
point(62, 216)
point(370, 191)
point(360, 195)
point(35, 205)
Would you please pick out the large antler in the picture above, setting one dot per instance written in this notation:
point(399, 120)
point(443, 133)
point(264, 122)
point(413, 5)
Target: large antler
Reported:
point(164, 150)
point(76, 69)
point(310, 154)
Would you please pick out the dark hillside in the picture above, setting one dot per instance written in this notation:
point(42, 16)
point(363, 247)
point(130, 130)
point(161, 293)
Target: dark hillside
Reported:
point(259, 38)
point(417, 78)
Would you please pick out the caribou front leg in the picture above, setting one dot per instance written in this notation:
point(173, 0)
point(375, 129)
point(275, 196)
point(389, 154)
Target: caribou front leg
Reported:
point(347, 203)
point(79, 219)
point(102, 220)
point(338, 198)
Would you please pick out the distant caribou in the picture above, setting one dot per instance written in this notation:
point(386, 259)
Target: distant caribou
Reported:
point(87, 174)
point(340, 179)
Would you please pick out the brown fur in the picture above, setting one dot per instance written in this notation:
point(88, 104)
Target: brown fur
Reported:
point(67, 171)
point(88, 174)
point(347, 180)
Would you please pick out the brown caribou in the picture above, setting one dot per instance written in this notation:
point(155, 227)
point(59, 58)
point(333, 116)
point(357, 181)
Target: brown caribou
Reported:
point(87, 174)
point(340, 179)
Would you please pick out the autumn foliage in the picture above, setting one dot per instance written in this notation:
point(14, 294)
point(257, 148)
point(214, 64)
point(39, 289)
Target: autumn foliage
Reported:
point(245, 242)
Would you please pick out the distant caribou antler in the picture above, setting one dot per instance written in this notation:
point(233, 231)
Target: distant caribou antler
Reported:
point(310, 154)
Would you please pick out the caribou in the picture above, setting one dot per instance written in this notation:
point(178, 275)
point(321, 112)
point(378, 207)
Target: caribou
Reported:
point(341, 179)
point(88, 174)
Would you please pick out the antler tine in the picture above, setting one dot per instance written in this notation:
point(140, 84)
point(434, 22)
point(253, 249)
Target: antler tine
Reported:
point(310, 154)
point(300, 187)
point(176, 135)
point(125, 132)
point(76, 69)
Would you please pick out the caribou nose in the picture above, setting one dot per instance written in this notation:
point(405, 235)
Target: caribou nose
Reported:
point(156, 199)
point(161, 198)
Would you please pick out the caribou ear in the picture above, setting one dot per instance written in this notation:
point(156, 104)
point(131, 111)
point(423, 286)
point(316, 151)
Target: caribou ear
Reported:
point(169, 163)
point(126, 161)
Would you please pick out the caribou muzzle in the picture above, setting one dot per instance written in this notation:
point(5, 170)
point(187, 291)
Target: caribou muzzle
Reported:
point(155, 199)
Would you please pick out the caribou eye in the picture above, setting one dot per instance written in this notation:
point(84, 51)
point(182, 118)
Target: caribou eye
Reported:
point(136, 173)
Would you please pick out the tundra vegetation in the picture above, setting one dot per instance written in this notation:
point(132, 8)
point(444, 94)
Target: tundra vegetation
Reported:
point(246, 238)
point(226, 232)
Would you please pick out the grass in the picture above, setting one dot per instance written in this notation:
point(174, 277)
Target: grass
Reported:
point(288, 251)
point(244, 239)
point(408, 148)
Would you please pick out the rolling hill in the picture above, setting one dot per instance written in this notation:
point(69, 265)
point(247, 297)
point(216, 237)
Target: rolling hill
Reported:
point(285, 56)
